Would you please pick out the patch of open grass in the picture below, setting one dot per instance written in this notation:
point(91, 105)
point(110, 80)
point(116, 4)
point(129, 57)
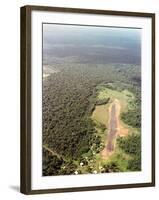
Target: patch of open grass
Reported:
point(101, 112)
point(123, 96)
point(101, 116)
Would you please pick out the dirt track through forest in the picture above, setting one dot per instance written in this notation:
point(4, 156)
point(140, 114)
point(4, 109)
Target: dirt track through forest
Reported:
point(52, 152)
point(113, 125)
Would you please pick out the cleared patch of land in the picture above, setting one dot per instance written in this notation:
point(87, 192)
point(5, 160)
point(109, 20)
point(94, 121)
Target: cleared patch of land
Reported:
point(123, 96)
point(101, 112)
point(109, 115)
point(114, 129)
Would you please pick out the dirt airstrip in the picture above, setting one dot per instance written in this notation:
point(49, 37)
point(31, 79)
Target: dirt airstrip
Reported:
point(114, 129)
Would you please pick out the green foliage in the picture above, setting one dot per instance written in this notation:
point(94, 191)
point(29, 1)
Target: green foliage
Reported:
point(68, 168)
point(132, 118)
point(134, 164)
point(101, 126)
point(51, 164)
point(54, 165)
point(132, 146)
point(69, 98)
point(102, 101)
point(111, 166)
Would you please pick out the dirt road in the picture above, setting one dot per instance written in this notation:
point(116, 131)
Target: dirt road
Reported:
point(114, 111)
point(52, 152)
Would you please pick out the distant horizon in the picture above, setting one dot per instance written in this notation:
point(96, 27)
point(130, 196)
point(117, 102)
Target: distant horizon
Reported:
point(92, 43)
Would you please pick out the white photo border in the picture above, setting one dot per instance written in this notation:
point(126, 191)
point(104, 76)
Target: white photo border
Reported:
point(38, 182)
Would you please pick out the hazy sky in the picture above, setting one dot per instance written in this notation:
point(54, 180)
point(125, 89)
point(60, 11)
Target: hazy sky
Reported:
point(73, 40)
point(64, 34)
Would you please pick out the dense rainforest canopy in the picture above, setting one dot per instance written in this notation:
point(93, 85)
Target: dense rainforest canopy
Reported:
point(69, 98)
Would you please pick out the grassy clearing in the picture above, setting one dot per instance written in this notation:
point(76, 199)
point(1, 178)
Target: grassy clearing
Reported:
point(101, 116)
point(101, 112)
point(124, 96)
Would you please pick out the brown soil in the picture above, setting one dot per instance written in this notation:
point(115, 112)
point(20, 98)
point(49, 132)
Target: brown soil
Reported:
point(114, 129)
